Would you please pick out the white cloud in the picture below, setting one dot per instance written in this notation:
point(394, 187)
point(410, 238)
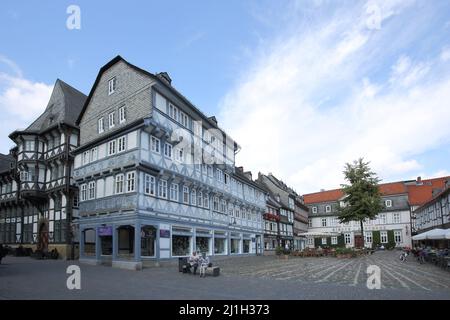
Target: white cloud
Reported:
point(445, 54)
point(308, 104)
point(21, 101)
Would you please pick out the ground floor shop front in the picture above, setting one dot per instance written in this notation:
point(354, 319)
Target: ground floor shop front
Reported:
point(131, 242)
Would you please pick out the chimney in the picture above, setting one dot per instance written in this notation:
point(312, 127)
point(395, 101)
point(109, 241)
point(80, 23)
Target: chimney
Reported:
point(213, 119)
point(322, 190)
point(248, 174)
point(419, 181)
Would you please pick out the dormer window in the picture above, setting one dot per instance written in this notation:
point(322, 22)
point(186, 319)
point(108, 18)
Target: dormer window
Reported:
point(388, 203)
point(112, 86)
point(314, 209)
point(327, 208)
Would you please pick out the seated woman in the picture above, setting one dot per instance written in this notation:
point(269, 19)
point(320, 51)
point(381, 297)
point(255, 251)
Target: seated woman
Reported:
point(193, 261)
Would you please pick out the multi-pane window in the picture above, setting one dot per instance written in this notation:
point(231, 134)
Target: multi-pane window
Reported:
point(121, 146)
point(185, 194)
point(179, 154)
point(119, 183)
point(324, 241)
point(86, 157)
point(398, 236)
point(94, 154)
point(162, 189)
point(112, 85)
point(383, 237)
point(383, 218)
point(388, 203)
point(327, 208)
point(324, 222)
point(112, 147)
point(314, 209)
point(216, 204)
point(184, 119)
point(347, 238)
point(122, 118)
point(100, 126)
point(368, 237)
point(309, 223)
point(111, 120)
point(206, 201)
point(223, 206)
point(131, 181)
point(174, 192)
point(173, 112)
point(29, 145)
point(155, 144)
point(396, 217)
point(91, 190)
point(210, 171)
point(149, 185)
point(168, 150)
point(194, 197)
point(334, 240)
point(83, 192)
point(219, 174)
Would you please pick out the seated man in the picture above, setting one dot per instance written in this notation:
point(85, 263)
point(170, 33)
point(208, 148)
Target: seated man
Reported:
point(204, 263)
point(193, 261)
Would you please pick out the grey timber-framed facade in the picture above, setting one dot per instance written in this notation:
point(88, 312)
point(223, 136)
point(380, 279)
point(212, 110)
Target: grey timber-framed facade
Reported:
point(156, 177)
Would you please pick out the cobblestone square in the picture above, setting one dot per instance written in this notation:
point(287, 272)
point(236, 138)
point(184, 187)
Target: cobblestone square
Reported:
point(241, 278)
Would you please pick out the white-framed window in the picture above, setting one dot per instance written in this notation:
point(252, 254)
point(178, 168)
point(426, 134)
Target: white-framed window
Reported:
point(86, 157)
point(184, 119)
point(100, 125)
point(368, 237)
point(396, 217)
point(383, 237)
point(327, 208)
point(383, 218)
point(216, 203)
point(219, 174)
point(168, 150)
point(388, 203)
point(94, 154)
point(398, 236)
point(179, 154)
point(324, 222)
point(131, 181)
point(119, 183)
point(223, 206)
point(206, 201)
point(324, 241)
point(111, 120)
point(91, 187)
point(200, 199)
point(310, 241)
point(112, 85)
point(314, 209)
point(122, 116)
point(174, 192)
point(173, 112)
point(149, 185)
point(193, 197)
point(334, 240)
point(186, 194)
point(162, 189)
point(121, 144)
point(29, 145)
point(347, 238)
point(155, 144)
point(83, 192)
point(309, 223)
point(111, 147)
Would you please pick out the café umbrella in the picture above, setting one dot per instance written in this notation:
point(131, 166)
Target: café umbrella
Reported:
point(430, 235)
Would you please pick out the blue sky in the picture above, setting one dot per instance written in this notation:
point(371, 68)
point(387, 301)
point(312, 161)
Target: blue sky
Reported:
point(321, 82)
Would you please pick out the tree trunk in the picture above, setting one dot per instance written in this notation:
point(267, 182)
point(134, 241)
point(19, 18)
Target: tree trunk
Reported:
point(362, 233)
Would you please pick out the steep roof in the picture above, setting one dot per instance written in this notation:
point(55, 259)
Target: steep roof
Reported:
point(421, 192)
point(5, 162)
point(64, 106)
point(391, 188)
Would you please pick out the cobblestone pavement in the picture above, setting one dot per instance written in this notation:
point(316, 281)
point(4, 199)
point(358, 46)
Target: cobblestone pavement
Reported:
point(241, 278)
point(409, 275)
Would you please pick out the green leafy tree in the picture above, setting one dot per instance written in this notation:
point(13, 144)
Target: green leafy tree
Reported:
point(362, 197)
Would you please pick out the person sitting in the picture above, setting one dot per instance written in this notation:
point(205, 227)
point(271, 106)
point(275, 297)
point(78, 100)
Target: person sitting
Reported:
point(193, 261)
point(204, 263)
point(3, 252)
